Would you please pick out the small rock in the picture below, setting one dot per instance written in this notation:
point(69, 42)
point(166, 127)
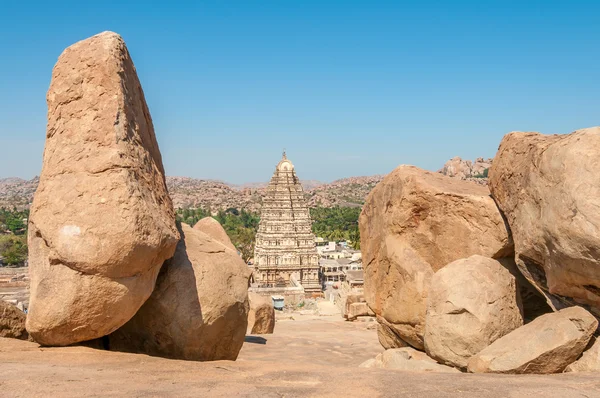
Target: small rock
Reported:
point(407, 358)
point(546, 345)
point(12, 322)
point(261, 317)
point(589, 361)
point(357, 309)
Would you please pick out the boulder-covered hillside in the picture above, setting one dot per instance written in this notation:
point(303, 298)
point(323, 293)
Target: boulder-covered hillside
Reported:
point(219, 195)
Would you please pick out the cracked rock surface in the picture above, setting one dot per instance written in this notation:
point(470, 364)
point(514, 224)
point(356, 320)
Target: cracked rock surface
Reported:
point(413, 224)
point(471, 303)
point(548, 187)
point(199, 309)
point(102, 222)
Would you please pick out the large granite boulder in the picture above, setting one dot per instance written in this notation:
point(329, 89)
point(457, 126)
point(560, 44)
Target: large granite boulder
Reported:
point(261, 317)
point(102, 222)
point(414, 223)
point(589, 361)
point(388, 335)
point(548, 187)
point(547, 345)
point(215, 230)
point(406, 359)
point(471, 303)
point(199, 308)
point(12, 322)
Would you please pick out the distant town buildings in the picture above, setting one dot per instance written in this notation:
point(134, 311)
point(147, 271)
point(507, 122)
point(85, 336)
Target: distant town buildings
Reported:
point(336, 260)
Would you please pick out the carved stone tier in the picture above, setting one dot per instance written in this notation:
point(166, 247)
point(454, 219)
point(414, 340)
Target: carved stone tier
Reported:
point(285, 250)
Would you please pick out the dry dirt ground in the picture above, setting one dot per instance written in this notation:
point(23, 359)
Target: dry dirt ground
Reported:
point(307, 356)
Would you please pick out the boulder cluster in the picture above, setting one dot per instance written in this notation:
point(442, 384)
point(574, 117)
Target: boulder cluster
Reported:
point(499, 279)
point(107, 258)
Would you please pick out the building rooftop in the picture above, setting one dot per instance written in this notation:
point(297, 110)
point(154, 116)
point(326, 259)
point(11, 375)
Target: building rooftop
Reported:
point(355, 276)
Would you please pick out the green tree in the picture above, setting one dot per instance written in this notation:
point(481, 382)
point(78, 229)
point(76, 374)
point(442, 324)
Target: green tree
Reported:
point(240, 226)
point(243, 239)
point(13, 249)
point(337, 223)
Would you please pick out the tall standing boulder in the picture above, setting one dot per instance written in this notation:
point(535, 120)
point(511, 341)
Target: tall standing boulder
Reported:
point(471, 303)
point(546, 345)
point(548, 187)
point(102, 222)
point(414, 223)
point(199, 309)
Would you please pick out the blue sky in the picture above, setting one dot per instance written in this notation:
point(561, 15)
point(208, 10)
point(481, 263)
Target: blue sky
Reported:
point(348, 87)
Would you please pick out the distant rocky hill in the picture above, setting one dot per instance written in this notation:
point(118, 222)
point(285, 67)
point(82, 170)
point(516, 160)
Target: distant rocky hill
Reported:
point(475, 171)
point(218, 195)
point(17, 192)
point(347, 192)
point(190, 192)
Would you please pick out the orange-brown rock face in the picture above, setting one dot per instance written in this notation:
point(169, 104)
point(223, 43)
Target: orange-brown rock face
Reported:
point(471, 303)
point(414, 223)
point(548, 187)
point(199, 309)
point(261, 318)
point(102, 222)
point(215, 230)
point(546, 345)
point(12, 322)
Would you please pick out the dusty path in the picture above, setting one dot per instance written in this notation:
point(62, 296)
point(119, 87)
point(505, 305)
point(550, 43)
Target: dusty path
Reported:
point(309, 356)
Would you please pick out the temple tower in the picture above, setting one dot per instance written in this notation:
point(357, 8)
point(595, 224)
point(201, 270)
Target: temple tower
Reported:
point(285, 253)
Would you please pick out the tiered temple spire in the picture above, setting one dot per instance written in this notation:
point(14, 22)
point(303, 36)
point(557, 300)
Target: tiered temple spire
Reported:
point(285, 248)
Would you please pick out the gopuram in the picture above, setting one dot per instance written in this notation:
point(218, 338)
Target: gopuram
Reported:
point(285, 254)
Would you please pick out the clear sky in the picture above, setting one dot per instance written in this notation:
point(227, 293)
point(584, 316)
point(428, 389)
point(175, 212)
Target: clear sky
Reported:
point(348, 87)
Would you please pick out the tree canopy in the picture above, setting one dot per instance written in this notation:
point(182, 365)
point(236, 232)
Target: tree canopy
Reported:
point(337, 223)
point(13, 236)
